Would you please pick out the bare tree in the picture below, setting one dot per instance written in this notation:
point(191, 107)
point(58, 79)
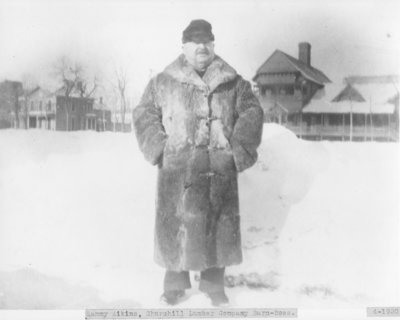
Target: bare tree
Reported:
point(29, 84)
point(74, 76)
point(121, 81)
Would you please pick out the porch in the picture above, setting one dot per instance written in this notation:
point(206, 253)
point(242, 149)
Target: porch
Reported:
point(344, 133)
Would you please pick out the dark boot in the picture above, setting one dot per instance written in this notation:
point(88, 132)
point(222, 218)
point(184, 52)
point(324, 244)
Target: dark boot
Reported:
point(218, 299)
point(212, 284)
point(175, 283)
point(172, 297)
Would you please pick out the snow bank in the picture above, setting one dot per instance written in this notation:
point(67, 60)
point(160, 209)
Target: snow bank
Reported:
point(282, 177)
point(319, 223)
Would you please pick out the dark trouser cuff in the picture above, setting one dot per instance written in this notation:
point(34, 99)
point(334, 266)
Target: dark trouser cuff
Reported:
point(176, 280)
point(212, 280)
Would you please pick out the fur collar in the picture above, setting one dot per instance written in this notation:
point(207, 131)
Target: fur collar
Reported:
point(218, 72)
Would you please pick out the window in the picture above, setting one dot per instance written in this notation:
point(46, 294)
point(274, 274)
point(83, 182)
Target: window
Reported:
point(32, 105)
point(313, 120)
point(40, 105)
point(49, 106)
point(73, 106)
point(290, 91)
point(263, 89)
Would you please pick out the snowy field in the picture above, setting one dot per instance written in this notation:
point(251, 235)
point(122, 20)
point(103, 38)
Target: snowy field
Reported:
point(320, 224)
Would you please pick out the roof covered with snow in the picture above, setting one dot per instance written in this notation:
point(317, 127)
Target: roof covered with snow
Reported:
point(40, 93)
point(335, 98)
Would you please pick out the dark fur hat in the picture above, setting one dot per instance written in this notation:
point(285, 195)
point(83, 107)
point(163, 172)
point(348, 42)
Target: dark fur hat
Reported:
point(199, 31)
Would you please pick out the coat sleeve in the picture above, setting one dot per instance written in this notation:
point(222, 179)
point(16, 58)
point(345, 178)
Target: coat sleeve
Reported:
point(147, 121)
point(247, 131)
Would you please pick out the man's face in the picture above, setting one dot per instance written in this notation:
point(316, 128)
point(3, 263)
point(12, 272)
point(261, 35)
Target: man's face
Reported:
point(199, 55)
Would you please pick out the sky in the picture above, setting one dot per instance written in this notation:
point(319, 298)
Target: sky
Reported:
point(142, 37)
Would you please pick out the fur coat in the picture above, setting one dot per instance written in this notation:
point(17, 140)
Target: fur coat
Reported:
point(200, 132)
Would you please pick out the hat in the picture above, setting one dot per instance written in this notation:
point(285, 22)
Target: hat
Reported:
point(198, 31)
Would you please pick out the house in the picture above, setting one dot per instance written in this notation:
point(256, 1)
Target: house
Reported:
point(39, 107)
point(64, 111)
point(74, 113)
point(294, 93)
point(10, 93)
point(365, 108)
point(285, 84)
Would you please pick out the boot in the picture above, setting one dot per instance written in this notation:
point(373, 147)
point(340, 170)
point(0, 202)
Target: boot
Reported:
point(171, 297)
point(218, 299)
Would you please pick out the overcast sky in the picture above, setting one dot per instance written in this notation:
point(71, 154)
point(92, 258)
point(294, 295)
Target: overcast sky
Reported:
point(347, 37)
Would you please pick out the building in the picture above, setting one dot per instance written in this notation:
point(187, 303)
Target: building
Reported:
point(364, 108)
point(10, 93)
point(58, 111)
point(74, 113)
point(295, 94)
point(39, 107)
point(285, 84)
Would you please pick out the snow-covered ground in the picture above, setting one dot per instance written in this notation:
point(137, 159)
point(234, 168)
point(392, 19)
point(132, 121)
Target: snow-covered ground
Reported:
point(320, 224)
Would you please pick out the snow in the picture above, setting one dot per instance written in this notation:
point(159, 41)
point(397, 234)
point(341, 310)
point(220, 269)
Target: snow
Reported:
point(377, 92)
point(376, 97)
point(319, 224)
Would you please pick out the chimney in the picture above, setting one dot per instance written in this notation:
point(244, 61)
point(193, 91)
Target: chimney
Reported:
point(305, 53)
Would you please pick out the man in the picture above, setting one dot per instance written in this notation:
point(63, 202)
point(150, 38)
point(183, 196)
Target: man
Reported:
point(200, 123)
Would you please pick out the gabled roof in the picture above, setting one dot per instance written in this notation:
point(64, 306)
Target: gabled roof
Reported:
point(280, 62)
point(40, 93)
point(349, 93)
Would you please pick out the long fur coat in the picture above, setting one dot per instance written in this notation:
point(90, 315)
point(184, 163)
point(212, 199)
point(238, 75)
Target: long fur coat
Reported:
point(200, 132)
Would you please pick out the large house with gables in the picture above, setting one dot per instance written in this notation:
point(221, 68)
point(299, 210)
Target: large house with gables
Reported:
point(295, 94)
point(286, 84)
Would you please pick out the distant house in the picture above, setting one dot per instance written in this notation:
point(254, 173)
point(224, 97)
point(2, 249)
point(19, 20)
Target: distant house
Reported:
point(10, 93)
point(39, 107)
point(364, 108)
point(286, 84)
point(122, 121)
point(64, 111)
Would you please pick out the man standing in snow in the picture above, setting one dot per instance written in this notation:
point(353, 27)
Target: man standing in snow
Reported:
point(201, 124)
